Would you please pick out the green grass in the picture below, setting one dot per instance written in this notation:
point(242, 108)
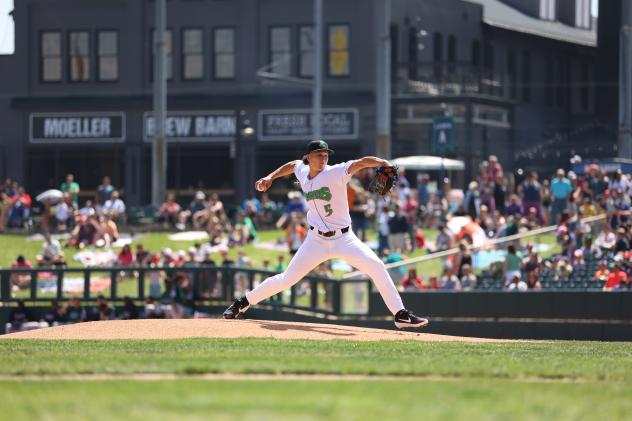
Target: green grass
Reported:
point(524, 380)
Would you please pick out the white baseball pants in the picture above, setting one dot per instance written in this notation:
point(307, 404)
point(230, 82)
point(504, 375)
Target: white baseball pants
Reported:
point(317, 249)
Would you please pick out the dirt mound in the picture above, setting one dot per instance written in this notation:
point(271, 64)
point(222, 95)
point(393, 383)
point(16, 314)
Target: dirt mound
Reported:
point(218, 328)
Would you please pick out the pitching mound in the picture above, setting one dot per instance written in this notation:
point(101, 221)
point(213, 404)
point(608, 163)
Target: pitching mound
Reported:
point(218, 328)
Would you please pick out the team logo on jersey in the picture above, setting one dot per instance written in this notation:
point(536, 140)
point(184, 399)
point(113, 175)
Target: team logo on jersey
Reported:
point(323, 194)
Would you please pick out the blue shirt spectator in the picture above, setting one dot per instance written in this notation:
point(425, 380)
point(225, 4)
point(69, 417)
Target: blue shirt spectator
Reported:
point(561, 187)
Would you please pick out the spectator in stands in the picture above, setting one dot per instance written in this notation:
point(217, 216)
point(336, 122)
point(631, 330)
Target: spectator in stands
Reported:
point(72, 187)
point(561, 190)
point(606, 239)
point(621, 243)
point(87, 209)
point(450, 281)
point(5, 209)
point(17, 318)
point(622, 182)
point(546, 202)
point(358, 209)
point(531, 196)
point(382, 230)
point(514, 207)
point(153, 309)
point(21, 209)
point(602, 272)
point(433, 282)
point(563, 269)
point(517, 284)
point(621, 210)
point(114, 207)
point(53, 316)
point(104, 191)
point(21, 280)
point(168, 211)
point(616, 278)
point(412, 281)
point(52, 253)
point(251, 206)
point(73, 312)
point(423, 195)
point(468, 278)
point(398, 227)
point(471, 200)
point(130, 311)
point(461, 258)
point(198, 204)
point(181, 295)
point(533, 281)
point(64, 213)
point(295, 235)
point(511, 266)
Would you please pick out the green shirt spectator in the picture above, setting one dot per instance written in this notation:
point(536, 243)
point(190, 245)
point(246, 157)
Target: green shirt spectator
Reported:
point(72, 187)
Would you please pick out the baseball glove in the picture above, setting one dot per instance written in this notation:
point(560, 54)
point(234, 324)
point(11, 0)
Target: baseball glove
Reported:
point(385, 178)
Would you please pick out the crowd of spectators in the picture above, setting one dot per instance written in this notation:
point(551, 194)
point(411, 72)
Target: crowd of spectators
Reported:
point(15, 206)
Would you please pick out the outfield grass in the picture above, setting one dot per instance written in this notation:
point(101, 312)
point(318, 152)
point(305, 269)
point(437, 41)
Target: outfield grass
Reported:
point(520, 380)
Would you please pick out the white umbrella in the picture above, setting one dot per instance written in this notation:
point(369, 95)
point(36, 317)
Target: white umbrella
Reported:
point(428, 163)
point(53, 195)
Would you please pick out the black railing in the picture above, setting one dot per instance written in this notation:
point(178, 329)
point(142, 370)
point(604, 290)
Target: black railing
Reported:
point(452, 79)
point(207, 283)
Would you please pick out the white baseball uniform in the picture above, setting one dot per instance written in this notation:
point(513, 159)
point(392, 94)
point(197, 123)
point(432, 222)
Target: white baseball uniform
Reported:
point(328, 210)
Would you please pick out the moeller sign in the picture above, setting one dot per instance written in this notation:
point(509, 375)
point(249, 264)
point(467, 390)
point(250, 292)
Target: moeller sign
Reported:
point(336, 123)
point(193, 125)
point(77, 127)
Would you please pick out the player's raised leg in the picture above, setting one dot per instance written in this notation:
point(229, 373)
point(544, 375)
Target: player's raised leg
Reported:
point(309, 255)
point(359, 255)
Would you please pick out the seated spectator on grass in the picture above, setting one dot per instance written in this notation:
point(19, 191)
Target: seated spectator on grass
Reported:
point(602, 271)
point(467, 278)
point(533, 281)
point(86, 233)
point(21, 280)
point(168, 211)
point(52, 253)
point(17, 318)
point(616, 278)
point(73, 312)
point(142, 256)
point(280, 265)
point(108, 232)
point(125, 257)
point(87, 210)
point(5, 209)
point(114, 207)
point(517, 284)
point(412, 281)
point(153, 309)
point(130, 311)
point(295, 235)
point(53, 316)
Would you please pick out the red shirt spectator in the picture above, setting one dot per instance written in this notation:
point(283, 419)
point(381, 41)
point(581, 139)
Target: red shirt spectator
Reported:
point(615, 279)
point(22, 197)
point(413, 281)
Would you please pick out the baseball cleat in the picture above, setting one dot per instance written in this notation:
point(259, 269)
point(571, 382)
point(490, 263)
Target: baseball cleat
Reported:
point(405, 319)
point(239, 306)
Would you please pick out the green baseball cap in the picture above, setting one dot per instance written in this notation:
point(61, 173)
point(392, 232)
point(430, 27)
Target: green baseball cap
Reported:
point(318, 145)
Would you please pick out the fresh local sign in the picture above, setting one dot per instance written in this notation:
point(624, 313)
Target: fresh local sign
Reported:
point(77, 127)
point(336, 123)
point(193, 125)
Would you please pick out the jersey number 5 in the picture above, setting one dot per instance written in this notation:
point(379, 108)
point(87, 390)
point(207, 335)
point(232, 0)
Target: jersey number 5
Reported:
point(329, 210)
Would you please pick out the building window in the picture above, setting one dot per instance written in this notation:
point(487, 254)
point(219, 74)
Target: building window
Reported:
point(550, 80)
point(224, 53)
point(338, 45)
point(526, 76)
point(169, 53)
point(107, 50)
point(476, 53)
point(50, 52)
point(547, 9)
point(451, 48)
point(306, 51)
point(511, 71)
point(437, 47)
point(79, 50)
point(192, 54)
point(280, 50)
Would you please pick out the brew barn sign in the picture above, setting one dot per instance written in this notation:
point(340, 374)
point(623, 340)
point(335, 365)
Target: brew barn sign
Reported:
point(196, 126)
point(77, 127)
